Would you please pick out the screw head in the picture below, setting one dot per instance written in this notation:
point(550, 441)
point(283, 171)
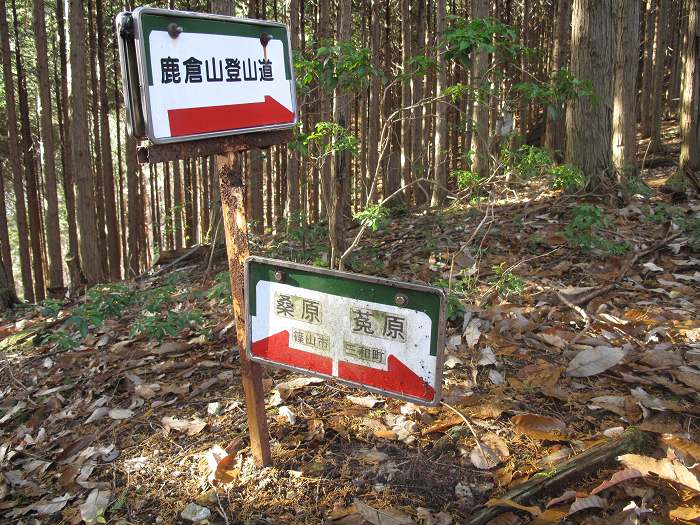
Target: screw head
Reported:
point(174, 30)
point(279, 276)
point(400, 299)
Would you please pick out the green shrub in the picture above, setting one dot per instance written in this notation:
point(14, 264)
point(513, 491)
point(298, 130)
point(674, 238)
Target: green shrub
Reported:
point(566, 177)
point(583, 230)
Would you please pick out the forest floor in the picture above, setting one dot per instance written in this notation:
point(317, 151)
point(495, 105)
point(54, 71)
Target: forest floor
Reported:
point(566, 333)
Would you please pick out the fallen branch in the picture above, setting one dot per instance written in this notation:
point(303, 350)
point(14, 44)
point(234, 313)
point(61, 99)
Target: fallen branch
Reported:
point(586, 298)
point(565, 475)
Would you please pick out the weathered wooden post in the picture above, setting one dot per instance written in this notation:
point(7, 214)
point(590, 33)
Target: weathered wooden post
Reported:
point(232, 184)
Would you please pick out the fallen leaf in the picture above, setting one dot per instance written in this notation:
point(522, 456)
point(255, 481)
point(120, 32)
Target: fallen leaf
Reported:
point(52, 506)
point(686, 514)
point(507, 518)
point(120, 413)
point(686, 447)
point(483, 457)
point(549, 517)
point(191, 428)
point(388, 516)
point(285, 411)
point(589, 502)
point(594, 361)
point(500, 502)
point(540, 427)
point(97, 414)
point(364, 401)
point(171, 347)
point(95, 505)
point(195, 513)
point(670, 470)
point(618, 477)
point(569, 495)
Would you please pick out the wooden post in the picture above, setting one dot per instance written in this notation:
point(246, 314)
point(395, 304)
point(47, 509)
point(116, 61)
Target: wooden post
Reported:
point(232, 186)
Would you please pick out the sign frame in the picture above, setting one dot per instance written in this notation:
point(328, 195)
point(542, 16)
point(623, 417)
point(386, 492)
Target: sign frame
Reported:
point(398, 285)
point(145, 99)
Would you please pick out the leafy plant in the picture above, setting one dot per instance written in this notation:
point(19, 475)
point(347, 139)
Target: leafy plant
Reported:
point(374, 216)
point(49, 307)
point(158, 325)
point(221, 290)
point(528, 162)
point(566, 177)
point(583, 230)
point(636, 186)
point(506, 282)
point(467, 180)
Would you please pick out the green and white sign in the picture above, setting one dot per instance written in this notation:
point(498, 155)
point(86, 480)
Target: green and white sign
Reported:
point(203, 75)
point(379, 334)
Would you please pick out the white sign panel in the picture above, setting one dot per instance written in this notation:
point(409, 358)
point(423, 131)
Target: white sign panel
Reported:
point(319, 321)
point(210, 75)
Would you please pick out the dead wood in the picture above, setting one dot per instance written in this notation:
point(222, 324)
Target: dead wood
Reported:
point(544, 483)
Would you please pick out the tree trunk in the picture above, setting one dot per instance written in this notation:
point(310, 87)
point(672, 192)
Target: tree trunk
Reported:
point(179, 206)
point(375, 90)
point(30, 174)
point(648, 68)
point(441, 148)
point(341, 166)
point(658, 75)
point(690, 97)
point(13, 149)
point(480, 137)
point(418, 149)
point(168, 207)
point(72, 257)
point(406, 95)
point(113, 244)
point(589, 122)
point(293, 200)
point(624, 142)
point(555, 130)
point(53, 234)
point(134, 215)
point(5, 247)
point(87, 225)
point(98, 186)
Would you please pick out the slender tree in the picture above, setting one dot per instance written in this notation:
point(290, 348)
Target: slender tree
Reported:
point(112, 224)
point(660, 44)
point(53, 234)
point(589, 121)
point(30, 173)
point(555, 131)
point(441, 149)
point(624, 138)
point(13, 149)
point(480, 137)
point(82, 162)
point(72, 256)
point(690, 101)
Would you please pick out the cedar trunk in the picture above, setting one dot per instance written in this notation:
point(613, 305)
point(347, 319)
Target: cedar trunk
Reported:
point(589, 121)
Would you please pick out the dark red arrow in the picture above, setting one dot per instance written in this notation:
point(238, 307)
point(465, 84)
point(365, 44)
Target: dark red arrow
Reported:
point(276, 348)
point(208, 119)
point(398, 378)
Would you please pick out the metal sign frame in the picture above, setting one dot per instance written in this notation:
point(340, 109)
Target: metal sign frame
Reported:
point(398, 285)
point(143, 77)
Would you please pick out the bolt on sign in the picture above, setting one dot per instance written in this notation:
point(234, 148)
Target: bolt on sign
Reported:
point(190, 76)
point(374, 333)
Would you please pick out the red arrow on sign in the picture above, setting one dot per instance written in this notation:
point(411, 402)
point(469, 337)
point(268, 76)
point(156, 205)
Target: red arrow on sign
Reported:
point(276, 348)
point(207, 119)
point(398, 378)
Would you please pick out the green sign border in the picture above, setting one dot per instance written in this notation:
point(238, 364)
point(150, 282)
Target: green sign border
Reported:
point(191, 24)
point(348, 285)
